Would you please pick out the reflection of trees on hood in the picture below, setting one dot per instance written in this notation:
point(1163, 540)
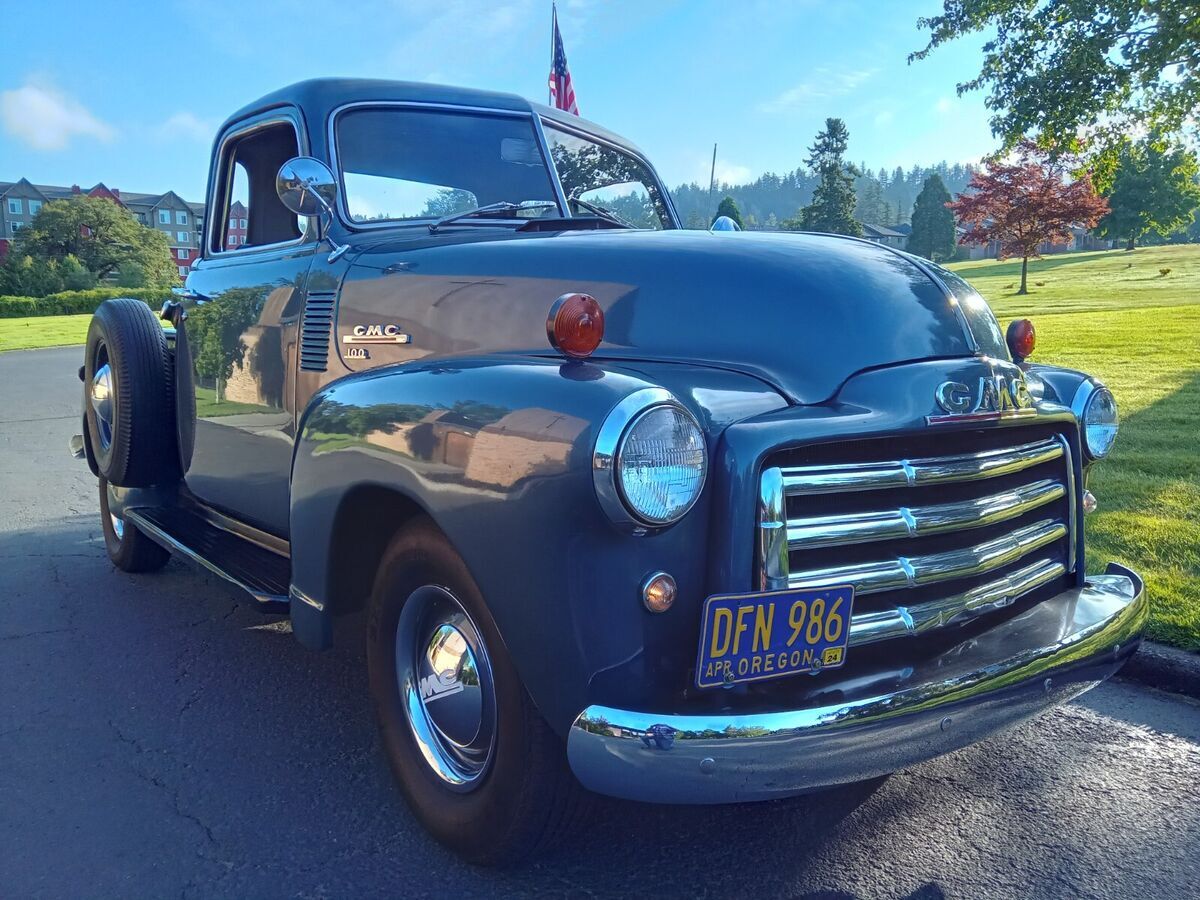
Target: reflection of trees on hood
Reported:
point(592, 166)
point(215, 331)
point(332, 417)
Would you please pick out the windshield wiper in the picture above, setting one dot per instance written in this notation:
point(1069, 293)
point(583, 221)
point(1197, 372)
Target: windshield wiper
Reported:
point(602, 212)
point(487, 210)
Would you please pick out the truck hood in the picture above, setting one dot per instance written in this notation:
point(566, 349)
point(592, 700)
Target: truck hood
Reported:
point(801, 312)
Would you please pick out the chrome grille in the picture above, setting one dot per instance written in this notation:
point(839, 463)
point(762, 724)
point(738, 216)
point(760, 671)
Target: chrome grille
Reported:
point(926, 540)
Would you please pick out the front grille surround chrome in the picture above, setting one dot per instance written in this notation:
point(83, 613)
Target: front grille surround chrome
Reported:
point(899, 525)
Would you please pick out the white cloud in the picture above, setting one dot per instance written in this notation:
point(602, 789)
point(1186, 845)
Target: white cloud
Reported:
point(47, 119)
point(732, 173)
point(186, 126)
point(945, 105)
point(823, 84)
point(726, 172)
point(884, 118)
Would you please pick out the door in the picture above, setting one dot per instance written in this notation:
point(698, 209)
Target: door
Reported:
point(245, 300)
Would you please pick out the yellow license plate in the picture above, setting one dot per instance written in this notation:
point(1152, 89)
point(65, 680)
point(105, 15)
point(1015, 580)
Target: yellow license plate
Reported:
point(749, 637)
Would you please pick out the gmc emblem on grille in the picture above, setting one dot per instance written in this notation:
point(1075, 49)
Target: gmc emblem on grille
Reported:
point(996, 397)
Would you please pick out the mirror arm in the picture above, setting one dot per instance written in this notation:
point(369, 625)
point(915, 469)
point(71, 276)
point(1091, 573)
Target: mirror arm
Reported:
point(323, 226)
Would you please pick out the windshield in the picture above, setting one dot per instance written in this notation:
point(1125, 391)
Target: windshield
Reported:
point(402, 163)
point(602, 176)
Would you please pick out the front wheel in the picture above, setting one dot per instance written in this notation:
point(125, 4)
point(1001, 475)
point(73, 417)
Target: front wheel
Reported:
point(478, 765)
point(128, 548)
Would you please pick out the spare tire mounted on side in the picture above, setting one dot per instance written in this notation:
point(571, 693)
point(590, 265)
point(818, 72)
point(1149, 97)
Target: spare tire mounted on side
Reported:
point(128, 395)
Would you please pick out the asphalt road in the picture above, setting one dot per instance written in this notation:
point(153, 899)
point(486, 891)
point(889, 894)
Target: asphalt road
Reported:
point(159, 739)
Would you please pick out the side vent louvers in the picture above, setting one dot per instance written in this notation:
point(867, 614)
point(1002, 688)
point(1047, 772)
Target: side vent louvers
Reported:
point(314, 331)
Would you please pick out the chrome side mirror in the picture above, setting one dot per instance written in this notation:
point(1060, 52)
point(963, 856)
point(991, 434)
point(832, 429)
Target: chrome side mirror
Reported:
point(306, 186)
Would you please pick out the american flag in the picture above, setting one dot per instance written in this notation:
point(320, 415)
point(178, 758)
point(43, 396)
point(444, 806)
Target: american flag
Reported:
point(562, 94)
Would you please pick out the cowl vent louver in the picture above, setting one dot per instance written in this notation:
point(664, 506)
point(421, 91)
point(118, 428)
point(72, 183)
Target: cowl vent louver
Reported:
point(314, 331)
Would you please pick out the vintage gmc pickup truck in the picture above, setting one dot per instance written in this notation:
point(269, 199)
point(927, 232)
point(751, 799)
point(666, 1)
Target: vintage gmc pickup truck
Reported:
point(679, 516)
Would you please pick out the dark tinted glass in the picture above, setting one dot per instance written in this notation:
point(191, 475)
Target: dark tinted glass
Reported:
point(399, 163)
point(603, 176)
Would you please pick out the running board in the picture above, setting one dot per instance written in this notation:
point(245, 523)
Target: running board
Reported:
point(263, 574)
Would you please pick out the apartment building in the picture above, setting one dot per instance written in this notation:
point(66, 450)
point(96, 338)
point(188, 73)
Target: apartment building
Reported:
point(181, 220)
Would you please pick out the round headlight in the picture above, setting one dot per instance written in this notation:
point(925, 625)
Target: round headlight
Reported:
point(1100, 422)
point(650, 461)
point(661, 464)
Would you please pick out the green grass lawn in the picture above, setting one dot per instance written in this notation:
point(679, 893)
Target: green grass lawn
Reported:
point(43, 331)
point(1140, 333)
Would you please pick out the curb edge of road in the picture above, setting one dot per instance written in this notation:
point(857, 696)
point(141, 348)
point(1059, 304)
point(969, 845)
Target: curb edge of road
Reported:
point(1165, 668)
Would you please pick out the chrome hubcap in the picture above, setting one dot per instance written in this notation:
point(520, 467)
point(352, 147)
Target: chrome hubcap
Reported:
point(446, 689)
point(102, 397)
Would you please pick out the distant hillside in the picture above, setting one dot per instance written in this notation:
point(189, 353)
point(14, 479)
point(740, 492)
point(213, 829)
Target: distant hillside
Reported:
point(885, 198)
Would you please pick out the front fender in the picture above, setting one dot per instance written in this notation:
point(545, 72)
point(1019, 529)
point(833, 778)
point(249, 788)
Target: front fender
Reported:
point(498, 452)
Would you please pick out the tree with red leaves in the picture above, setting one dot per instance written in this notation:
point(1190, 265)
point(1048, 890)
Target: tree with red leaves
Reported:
point(1025, 200)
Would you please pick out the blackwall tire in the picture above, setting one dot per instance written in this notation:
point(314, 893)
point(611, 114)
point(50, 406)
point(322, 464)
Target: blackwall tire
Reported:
point(493, 803)
point(128, 548)
point(128, 395)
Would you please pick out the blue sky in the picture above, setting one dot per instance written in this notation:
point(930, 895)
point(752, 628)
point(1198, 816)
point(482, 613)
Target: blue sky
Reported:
point(130, 93)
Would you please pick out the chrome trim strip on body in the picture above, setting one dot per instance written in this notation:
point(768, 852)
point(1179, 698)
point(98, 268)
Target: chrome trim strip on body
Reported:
point(903, 621)
point(870, 725)
point(1072, 505)
point(835, 478)
point(920, 521)
point(911, 571)
point(993, 415)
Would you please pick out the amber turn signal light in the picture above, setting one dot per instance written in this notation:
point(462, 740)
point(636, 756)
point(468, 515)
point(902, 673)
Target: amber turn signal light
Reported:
point(658, 592)
point(575, 325)
point(1021, 339)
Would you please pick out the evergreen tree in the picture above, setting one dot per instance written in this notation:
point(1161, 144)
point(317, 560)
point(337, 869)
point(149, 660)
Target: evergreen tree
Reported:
point(728, 207)
point(932, 223)
point(832, 207)
point(871, 208)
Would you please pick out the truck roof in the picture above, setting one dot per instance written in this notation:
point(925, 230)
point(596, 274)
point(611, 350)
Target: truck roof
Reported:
point(318, 97)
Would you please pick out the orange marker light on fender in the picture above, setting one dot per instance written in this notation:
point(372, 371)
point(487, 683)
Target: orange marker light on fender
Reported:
point(1021, 339)
point(575, 325)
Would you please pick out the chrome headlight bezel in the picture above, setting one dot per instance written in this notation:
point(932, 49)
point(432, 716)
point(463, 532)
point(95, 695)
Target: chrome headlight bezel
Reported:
point(610, 441)
point(1084, 404)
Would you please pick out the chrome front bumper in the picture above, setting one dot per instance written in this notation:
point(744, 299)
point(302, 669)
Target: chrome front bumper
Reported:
point(1043, 657)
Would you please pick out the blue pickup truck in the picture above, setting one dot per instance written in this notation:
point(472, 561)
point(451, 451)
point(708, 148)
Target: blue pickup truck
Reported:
point(677, 516)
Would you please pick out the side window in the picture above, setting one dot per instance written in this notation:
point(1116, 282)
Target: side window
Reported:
point(250, 166)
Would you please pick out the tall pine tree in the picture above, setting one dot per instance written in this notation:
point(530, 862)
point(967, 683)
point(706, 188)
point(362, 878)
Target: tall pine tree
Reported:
point(932, 223)
point(832, 207)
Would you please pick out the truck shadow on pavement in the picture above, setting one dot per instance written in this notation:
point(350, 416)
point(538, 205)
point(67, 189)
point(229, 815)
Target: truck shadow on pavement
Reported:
point(192, 727)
